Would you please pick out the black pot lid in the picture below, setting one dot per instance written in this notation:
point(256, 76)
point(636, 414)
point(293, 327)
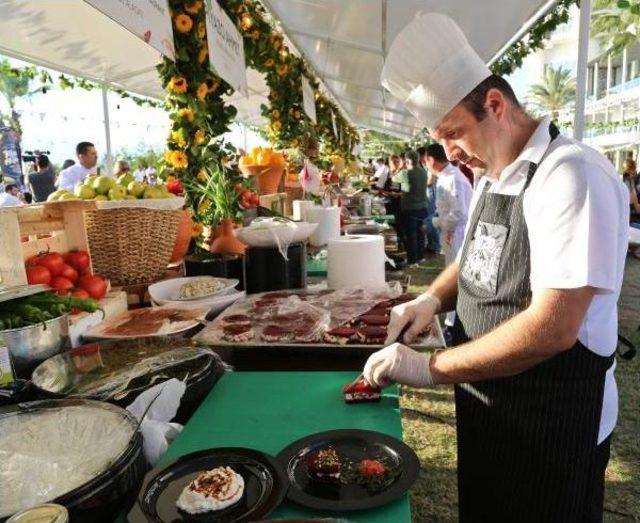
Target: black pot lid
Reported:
point(352, 491)
point(51, 448)
point(265, 486)
point(108, 370)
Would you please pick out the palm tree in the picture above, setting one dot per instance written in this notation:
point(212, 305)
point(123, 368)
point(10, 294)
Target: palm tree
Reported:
point(615, 24)
point(557, 91)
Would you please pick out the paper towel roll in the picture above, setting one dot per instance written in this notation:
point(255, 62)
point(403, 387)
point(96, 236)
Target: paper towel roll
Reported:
point(300, 209)
point(328, 220)
point(356, 261)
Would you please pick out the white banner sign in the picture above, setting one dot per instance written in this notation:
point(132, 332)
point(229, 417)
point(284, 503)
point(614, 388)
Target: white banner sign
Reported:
point(308, 100)
point(226, 49)
point(147, 19)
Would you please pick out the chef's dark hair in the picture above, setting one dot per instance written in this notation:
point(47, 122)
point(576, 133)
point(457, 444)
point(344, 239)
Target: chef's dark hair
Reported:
point(413, 156)
point(474, 101)
point(436, 151)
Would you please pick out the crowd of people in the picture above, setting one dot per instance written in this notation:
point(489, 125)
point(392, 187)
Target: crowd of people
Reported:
point(42, 179)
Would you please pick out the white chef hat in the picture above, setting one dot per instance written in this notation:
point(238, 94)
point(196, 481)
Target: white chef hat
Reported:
point(431, 67)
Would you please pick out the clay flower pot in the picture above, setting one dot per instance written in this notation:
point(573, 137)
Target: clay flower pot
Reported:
point(183, 239)
point(267, 176)
point(226, 242)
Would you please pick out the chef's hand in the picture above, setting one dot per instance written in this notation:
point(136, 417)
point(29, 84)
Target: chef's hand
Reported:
point(398, 363)
point(417, 314)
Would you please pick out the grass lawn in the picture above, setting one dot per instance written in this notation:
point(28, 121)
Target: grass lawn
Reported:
point(428, 419)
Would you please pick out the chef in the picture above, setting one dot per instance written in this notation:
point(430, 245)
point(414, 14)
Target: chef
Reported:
point(534, 287)
point(452, 202)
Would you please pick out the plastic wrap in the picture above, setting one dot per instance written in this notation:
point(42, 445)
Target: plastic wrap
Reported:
point(53, 448)
point(108, 371)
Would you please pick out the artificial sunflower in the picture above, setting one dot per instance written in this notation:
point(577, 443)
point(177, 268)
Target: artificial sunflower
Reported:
point(183, 23)
point(275, 114)
point(167, 155)
point(246, 22)
point(202, 54)
point(276, 126)
point(178, 84)
point(193, 8)
point(282, 69)
point(202, 175)
point(269, 63)
point(255, 34)
point(179, 160)
point(199, 137)
point(204, 206)
point(212, 85)
point(202, 91)
point(202, 30)
point(186, 114)
point(196, 229)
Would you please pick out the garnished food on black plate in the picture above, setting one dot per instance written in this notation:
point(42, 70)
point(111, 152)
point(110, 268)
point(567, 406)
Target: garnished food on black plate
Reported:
point(324, 465)
point(360, 392)
point(214, 489)
point(373, 474)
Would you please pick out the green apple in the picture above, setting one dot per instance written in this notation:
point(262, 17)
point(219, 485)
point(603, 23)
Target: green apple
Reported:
point(117, 192)
point(151, 192)
point(101, 198)
point(136, 189)
point(55, 195)
point(67, 196)
point(102, 184)
point(125, 179)
point(130, 197)
point(84, 191)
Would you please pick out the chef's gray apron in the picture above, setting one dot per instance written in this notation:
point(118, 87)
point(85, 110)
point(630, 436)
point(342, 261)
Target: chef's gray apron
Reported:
point(527, 443)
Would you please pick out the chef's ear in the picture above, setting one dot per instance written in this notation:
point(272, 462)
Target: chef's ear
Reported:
point(495, 103)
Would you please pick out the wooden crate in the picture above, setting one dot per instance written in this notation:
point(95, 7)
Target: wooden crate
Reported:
point(29, 229)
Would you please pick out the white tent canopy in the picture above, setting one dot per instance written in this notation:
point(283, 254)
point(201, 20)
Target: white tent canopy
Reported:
point(344, 41)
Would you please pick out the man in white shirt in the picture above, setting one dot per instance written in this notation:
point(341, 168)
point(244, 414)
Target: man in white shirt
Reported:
point(87, 160)
point(10, 196)
point(381, 174)
point(535, 288)
point(454, 194)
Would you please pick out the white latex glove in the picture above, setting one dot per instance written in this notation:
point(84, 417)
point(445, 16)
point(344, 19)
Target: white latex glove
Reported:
point(418, 313)
point(436, 222)
point(398, 363)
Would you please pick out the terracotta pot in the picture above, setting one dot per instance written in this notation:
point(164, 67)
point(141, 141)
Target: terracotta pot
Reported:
point(267, 176)
point(183, 239)
point(227, 243)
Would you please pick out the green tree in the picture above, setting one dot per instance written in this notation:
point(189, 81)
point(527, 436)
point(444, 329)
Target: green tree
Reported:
point(14, 84)
point(616, 24)
point(557, 91)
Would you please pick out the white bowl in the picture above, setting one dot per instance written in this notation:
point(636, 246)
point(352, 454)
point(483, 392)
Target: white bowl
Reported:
point(274, 234)
point(216, 304)
point(169, 290)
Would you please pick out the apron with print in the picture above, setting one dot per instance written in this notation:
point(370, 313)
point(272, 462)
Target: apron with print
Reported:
point(526, 443)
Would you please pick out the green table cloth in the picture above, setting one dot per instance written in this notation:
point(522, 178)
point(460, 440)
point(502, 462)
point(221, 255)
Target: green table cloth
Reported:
point(269, 410)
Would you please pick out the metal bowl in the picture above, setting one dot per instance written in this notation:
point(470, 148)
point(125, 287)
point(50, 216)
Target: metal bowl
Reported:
point(35, 343)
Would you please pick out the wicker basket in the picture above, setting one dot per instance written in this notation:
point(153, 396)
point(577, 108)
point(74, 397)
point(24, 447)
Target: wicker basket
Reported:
point(131, 245)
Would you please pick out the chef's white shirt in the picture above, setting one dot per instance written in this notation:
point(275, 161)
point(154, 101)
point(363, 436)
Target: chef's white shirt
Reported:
point(8, 199)
point(454, 193)
point(382, 173)
point(69, 177)
point(577, 214)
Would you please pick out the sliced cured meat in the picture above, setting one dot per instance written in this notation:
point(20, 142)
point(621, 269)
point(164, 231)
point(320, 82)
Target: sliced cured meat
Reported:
point(340, 335)
point(372, 335)
point(373, 320)
point(278, 333)
point(277, 295)
point(238, 333)
point(360, 392)
point(236, 319)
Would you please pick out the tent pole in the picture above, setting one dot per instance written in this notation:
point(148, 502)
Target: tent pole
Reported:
point(581, 71)
point(107, 129)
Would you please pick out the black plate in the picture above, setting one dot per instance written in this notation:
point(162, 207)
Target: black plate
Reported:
point(352, 445)
point(265, 485)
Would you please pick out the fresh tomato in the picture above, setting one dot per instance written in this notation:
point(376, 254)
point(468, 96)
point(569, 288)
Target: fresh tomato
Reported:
point(371, 467)
point(69, 272)
point(244, 203)
point(255, 199)
point(94, 285)
point(37, 274)
point(79, 260)
point(51, 260)
point(80, 293)
point(246, 195)
point(238, 187)
point(60, 283)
